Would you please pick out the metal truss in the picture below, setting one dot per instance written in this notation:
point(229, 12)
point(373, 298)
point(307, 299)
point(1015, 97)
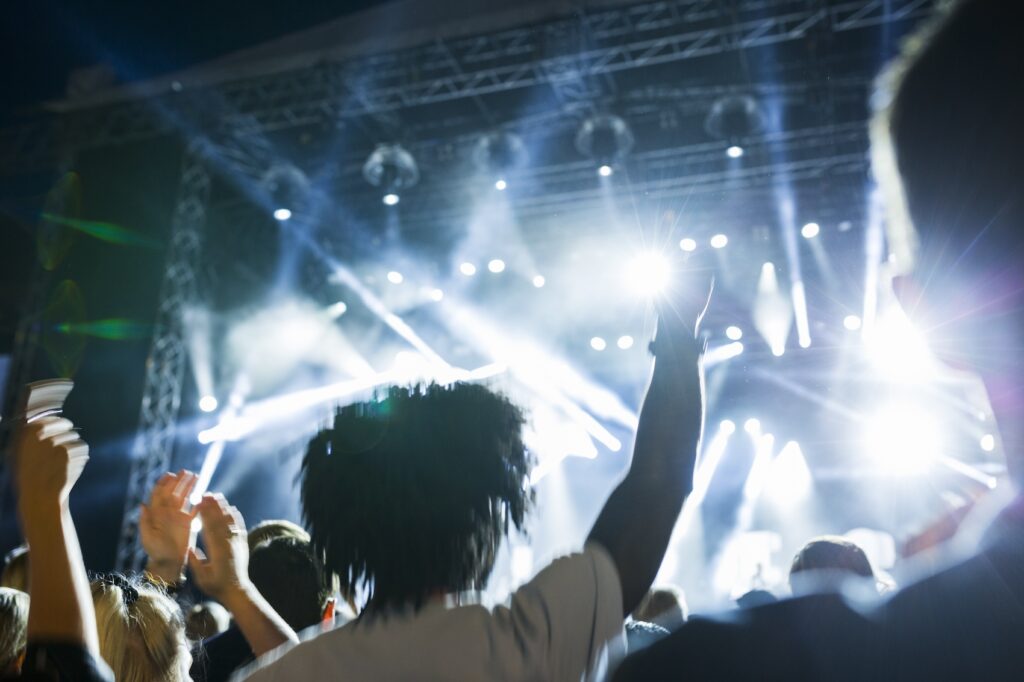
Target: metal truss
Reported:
point(610, 41)
point(167, 361)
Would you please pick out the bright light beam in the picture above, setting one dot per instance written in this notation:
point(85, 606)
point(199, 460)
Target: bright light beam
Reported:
point(707, 464)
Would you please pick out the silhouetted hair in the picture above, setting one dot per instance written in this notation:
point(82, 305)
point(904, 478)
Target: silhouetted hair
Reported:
point(947, 137)
point(413, 492)
point(206, 619)
point(755, 598)
point(832, 553)
point(13, 629)
point(15, 574)
point(665, 606)
point(275, 528)
point(292, 579)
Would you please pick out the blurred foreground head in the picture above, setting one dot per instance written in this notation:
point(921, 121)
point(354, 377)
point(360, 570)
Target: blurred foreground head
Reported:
point(831, 558)
point(13, 631)
point(412, 493)
point(948, 145)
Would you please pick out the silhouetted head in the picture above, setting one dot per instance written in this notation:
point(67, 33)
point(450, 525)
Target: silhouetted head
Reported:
point(832, 555)
point(275, 528)
point(292, 579)
point(664, 606)
point(206, 619)
point(411, 494)
point(15, 573)
point(948, 148)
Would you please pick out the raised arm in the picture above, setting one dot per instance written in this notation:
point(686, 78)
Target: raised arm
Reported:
point(224, 575)
point(49, 459)
point(637, 520)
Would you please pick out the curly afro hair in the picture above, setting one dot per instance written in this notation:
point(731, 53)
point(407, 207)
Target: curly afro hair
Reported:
point(412, 493)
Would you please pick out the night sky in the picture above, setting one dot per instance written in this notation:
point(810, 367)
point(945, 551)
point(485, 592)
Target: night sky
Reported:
point(45, 39)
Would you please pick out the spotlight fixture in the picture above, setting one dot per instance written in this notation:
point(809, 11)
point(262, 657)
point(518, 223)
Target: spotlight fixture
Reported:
point(733, 333)
point(395, 277)
point(719, 241)
point(687, 244)
point(496, 265)
point(606, 139)
point(287, 190)
point(467, 269)
point(625, 342)
point(391, 168)
point(810, 230)
point(539, 281)
point(988, 442)
point(733, 118)
point(208, 403)
point(598, 344)
point(498, 155)
point(752, 425)
point(852, 322)
point(436, 294)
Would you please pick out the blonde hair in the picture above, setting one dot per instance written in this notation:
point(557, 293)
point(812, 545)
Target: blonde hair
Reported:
point(13, 627)
point(264, 531)
point(141, 631)
point(15, 573)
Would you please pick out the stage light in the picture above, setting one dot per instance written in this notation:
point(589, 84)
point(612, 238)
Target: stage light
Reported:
point(597, 343)
point(500, 185)
point(733, 118)
point(496, 265)
point(391, 168)
point(687, 244)
point(727, 426)
point(336, 310)
point(789, 479)
point(390, 199)
point(988, 442)
point(902, 439)
point(287, 190)
point(810, 230)
point(395, 277)
point(648, 273)
point(499, 154)
point(719, 241)
point(282, 214)
point(851, 322)
point(778, 350)
point(604, 170)
point(625, 342)
point(720, 354)
point(752, 425)
point(896, 348)
point(539, 281)
point(467, 269)
point(606, 139)
point(734, 151)
point(733, 333)
point(207, 403)
point(436, 294)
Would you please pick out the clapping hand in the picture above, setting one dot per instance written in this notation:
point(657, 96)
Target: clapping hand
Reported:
point(223, 571)
point(165, 525)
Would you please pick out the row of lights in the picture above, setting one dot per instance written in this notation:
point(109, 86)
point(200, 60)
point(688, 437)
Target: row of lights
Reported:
point(720, 241)
point(623, 342)
point(469, 269)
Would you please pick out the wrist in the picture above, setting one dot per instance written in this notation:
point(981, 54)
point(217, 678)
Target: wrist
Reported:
point(238, 595)
point(168, 571)
point(41, 517)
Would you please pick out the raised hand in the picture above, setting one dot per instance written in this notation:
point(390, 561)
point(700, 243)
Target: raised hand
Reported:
point(49, 459)
point(223, 572)
point(165, 525)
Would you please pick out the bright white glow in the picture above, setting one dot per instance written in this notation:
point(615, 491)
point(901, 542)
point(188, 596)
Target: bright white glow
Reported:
point(539, 281)
point(902, 438)
point(810, 230)
point(605, 170)
point(687, 244)
point(597, 343)
point(467, 269)
point(733, 333)
point(395, 277)
point(714, 356)
point(207, 403)
point(789, 479)
point(727, 426)
point(803, 325)
point(625, 342)
point(773, 310)
point(648, 273)
point(496, 265)
point(522, 564)
point(436, 294)
point(851, 322)
point(734, 151)
point(896, 348)
point(778, 350)
point(282, 214)
point(719, 241)
point(988, 442)
point(752, 425)
point(500, 185)
point(722, 353)
point(210, 462)
point(336, 310)
point(390, 199)
point(764, 448)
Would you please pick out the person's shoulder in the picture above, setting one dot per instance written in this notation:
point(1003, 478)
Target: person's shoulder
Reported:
point(293, 661)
